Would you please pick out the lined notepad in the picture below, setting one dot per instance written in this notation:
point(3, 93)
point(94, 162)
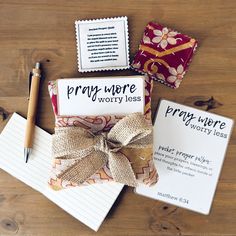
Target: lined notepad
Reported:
point(88, 204)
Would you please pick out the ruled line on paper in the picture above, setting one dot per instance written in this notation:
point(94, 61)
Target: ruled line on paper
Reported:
point(89, 204)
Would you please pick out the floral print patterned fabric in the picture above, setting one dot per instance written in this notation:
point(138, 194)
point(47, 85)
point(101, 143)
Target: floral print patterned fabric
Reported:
point(164, 54)
point(141, 160)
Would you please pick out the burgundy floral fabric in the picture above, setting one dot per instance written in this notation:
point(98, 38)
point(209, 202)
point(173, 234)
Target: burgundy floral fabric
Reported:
point(164, 54)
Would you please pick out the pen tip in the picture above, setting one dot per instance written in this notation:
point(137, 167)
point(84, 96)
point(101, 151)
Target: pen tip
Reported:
point(27, 152)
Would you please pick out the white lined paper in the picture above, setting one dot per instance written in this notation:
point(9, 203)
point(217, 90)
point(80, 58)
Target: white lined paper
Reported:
point(89, 204)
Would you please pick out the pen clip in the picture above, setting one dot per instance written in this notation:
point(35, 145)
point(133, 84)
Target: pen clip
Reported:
point(30, 79)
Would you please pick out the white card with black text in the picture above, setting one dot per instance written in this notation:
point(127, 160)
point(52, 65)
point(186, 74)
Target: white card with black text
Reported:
point(102, 44)
point(117, 95)
point(189, 150)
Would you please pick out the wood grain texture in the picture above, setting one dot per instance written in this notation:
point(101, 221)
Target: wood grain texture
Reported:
point(44, 30)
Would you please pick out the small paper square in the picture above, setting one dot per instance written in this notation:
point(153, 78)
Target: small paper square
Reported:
point(102, 44)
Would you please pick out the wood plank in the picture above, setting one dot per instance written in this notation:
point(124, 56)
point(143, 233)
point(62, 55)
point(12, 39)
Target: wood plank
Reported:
point(44, 30)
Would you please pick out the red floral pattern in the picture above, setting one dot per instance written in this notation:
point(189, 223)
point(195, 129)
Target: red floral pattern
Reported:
point(147, 173)
point(163, 51)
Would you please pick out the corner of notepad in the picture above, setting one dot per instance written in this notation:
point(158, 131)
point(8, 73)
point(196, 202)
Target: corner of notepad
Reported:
point(120, 187)
point(15, 117)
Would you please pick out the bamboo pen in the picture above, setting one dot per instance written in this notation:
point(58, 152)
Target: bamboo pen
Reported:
point(32, 107)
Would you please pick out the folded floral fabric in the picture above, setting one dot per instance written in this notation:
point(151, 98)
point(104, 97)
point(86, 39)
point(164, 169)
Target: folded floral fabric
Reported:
point(164, 54)
point(141, 159)
point(82, 153)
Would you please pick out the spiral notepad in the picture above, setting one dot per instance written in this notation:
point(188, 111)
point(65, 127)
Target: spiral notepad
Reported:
point(88, 204)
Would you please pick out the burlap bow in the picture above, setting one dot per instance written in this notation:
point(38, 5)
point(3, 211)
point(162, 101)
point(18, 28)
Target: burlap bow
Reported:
point(83, 153)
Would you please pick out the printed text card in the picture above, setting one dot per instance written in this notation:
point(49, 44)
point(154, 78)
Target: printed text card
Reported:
point(101, 96)
point(102, 44)
point(189, 149)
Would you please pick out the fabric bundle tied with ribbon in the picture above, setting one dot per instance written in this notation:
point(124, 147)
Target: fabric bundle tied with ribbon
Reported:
point(83, 153)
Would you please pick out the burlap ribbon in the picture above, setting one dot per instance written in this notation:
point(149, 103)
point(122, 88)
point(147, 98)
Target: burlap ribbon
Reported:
point(82, 153)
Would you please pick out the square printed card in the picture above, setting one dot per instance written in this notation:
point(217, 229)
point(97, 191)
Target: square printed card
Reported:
point(189, 149)
point(102, 44)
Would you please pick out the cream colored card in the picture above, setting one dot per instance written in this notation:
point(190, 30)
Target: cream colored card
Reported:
point(189, 150)
point(102, 44)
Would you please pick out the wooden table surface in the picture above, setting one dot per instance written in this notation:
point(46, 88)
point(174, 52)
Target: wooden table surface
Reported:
point(44, 30)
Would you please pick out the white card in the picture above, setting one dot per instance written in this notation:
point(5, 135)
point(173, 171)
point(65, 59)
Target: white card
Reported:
point(89, 204)
point(102, 44)
point(189, 149)
point(120, 95)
